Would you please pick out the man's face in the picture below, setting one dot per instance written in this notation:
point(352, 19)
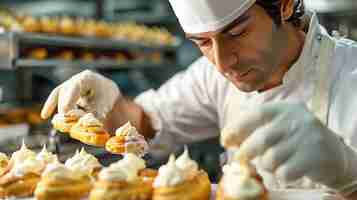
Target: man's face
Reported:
point(247, 52)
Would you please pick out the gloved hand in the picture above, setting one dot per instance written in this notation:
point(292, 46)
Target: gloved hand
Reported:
point(292, 144)
point(91, 91)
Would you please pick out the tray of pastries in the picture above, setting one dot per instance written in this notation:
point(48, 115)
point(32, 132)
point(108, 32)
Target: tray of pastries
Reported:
point(30, 175)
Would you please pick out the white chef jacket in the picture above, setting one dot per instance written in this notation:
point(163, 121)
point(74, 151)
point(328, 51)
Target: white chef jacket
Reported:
point(197, 103)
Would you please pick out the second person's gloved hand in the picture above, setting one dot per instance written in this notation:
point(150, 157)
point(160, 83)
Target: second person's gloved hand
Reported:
point(292, 143)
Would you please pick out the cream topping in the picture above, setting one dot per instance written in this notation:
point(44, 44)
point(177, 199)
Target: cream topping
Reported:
point(89, 120)
point(239, 183)
point(30, 165)
point(22, 154)
point(126, 169)
point(134, 142)
point(127, 130)
point(169, 174)
point(46, 156)
point(189, 166)
point(58, 170)
point(83, 161)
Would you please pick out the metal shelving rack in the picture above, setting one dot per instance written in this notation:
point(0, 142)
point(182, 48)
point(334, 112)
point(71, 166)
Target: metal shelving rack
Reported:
point(11, 44)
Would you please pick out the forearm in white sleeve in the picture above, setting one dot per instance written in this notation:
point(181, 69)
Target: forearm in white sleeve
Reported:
point(181, 110)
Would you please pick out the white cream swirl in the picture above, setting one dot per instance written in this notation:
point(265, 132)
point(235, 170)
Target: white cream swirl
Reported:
point(112, 173)
point(126, 169)
point(83, 162)
point(89, 120)
point(239, 183)
point(58, 170)
point(30, 165)
point(46, 156)
point(189, 166)
point(127, 130)
point(134, 142)
point(22, 154)
point(169, 174)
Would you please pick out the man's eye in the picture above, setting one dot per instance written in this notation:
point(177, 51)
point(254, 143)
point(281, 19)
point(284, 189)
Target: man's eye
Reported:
point(236, 34)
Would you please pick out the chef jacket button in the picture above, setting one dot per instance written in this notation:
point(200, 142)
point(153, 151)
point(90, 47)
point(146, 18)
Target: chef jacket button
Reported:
point(319, 37)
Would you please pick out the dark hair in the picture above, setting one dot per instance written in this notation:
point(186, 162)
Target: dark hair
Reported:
point(272, 7)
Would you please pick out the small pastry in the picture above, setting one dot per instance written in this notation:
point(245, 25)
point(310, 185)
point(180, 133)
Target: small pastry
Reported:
point(66, 55)
point(60, 183)
point(85, 162)
point(181, 180)
point(64, 122)
point(49, 25)
point(4, 161)
point(87, 56)
point(121, 181)
point(127, 140)
point(240, 181)
point(90, 130)
point(67, 26)
point(21, 155)
point(103, 30)
point(31, 24)
point(120, 57)
point(22, 179)
point(38, 54)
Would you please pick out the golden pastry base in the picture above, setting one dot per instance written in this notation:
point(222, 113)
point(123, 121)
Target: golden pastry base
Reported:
point(198, 188)
point(121, 190)
point(11, 186)
point(90, 138)
point(63, 189)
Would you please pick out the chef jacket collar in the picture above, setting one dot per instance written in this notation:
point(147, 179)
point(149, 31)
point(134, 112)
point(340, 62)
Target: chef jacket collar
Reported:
point(309, 54)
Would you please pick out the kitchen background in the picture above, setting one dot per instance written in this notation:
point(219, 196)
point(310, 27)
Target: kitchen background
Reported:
point(149, 48)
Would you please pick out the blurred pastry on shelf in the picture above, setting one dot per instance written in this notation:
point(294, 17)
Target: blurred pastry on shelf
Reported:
point(87, 27)
point(87, 56)
point(31, 24)
point(66, 55)
point(85, 162)
point(58, 182)
point(67, 26)
point(121, 181)
point(241, 181)
point(156, 57)
point(90, 130)
point(49, 25)
point(181, 179)
point(4, 161)
point(103, 30)
point(127, 140)
point(64, 122)
point(38, 54)
point(120, 57)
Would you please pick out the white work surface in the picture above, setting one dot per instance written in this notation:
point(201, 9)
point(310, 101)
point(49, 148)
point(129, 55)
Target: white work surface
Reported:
point(290, 194)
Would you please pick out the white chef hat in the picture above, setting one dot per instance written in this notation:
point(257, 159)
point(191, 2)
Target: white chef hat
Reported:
point(198, 16)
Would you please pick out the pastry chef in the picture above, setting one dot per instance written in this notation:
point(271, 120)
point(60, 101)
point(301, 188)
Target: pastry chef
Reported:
point(282, 92)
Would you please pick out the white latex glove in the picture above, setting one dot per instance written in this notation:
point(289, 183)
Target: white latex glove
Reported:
point(291, 144)
point(91, 91)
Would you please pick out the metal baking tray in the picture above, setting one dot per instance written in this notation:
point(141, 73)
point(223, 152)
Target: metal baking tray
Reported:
point(12, 42)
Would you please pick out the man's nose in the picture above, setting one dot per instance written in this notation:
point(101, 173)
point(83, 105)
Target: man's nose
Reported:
point(224, 58)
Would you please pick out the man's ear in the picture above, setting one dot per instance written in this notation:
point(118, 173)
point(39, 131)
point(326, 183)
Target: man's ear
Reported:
point(286, 9)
